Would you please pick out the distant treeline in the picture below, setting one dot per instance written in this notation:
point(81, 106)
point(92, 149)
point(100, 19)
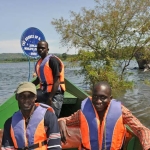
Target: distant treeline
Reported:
point(19, 57)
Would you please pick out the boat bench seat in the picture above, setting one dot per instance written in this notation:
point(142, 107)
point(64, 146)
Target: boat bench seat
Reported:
point(69, 98)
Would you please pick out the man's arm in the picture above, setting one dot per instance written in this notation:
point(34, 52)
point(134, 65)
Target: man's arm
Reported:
point(53, 133)
point(1, 134)
point(36, 81)
point(139, 129)
point(54, 89)
point(55, 66)
point(70, 130)
point(7, 143)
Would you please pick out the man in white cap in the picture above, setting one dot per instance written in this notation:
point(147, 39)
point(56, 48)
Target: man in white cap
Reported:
point(34, 126)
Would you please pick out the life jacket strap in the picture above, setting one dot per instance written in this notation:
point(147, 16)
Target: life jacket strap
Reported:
point(34, 146)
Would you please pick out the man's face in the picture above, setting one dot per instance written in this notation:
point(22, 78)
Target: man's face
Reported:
point(42, 49)
point(26, 100)
point(101, 97)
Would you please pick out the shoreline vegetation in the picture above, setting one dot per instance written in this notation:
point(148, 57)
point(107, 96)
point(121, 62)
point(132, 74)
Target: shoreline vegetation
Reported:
point(20, 57)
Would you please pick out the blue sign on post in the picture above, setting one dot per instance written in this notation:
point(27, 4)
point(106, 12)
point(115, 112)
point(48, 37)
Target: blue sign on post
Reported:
point(29, 40)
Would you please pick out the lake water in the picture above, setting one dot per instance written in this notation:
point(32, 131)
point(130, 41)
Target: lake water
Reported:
point(137, 100)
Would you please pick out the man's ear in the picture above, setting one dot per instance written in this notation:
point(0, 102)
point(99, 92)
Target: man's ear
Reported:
point(16, 96)
point(35, 97)
point(111, 97)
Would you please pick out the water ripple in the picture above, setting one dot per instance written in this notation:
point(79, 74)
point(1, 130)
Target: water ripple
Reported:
point(137, 100)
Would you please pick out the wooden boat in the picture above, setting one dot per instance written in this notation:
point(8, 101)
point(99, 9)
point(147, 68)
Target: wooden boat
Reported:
point(72, 100)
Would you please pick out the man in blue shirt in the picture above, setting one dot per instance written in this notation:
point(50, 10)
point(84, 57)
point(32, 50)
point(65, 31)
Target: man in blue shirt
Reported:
point(34, 125)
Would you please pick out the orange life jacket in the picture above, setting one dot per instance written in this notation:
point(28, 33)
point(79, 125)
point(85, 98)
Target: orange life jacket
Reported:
point(34, 135)
point(44, 72)
point(108, 136)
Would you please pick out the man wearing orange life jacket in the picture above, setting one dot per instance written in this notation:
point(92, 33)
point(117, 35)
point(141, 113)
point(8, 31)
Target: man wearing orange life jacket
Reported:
point(50, 74)
point(99, 125)
point(34, 126)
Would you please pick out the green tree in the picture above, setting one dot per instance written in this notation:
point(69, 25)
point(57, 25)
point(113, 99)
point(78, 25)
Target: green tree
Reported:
point(113, 30)
point(64, 56)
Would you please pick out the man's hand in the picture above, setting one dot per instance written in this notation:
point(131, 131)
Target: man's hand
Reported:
point(49, 101)
point(63, 131)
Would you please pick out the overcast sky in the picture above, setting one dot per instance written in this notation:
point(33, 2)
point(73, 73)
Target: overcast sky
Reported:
point(18, 15)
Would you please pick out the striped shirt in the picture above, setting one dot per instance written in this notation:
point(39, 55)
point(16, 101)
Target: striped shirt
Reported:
point(129, 119)
point(51, 128)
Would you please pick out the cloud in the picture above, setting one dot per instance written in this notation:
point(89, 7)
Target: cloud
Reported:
point(10, 46)
point(13, 46)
